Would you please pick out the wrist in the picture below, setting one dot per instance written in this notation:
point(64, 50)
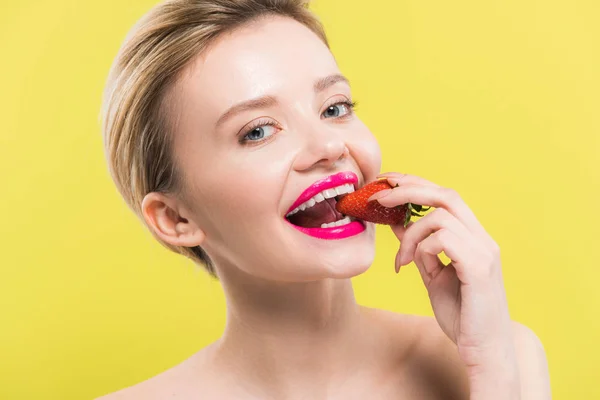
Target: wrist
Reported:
point(494, 373)
point(500, 383)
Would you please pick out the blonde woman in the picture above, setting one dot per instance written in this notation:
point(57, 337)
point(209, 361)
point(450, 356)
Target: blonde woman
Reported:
point(221, 118)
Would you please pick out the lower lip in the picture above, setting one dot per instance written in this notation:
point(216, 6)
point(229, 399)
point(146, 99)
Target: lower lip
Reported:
point(337, 232)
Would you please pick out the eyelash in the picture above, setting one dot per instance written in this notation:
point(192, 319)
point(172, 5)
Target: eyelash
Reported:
point(257, 124)
point(350, 104)
point(266, 122)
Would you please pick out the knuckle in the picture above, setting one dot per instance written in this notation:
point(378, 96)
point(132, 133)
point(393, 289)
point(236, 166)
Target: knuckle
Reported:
point(420, 247)
point(495, 248)
point(442, 215)
point(451, 194)
point(443, 235)
point(488, 266)
point(439, 212)
point(489, 259)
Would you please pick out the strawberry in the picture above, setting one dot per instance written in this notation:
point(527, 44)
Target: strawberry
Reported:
point(355, 205)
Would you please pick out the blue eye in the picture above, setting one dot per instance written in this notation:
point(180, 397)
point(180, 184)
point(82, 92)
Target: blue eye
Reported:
point(338, 110)
point(260, 132)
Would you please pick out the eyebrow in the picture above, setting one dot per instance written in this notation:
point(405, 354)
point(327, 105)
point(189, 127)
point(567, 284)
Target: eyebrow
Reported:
point(260, 102)
point(328, 81)
point(270, 101)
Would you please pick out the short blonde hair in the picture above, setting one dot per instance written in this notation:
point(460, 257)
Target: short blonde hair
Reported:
point(135, 119)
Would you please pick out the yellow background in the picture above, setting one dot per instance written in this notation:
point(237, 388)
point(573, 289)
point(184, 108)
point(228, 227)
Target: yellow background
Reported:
point(497, 99)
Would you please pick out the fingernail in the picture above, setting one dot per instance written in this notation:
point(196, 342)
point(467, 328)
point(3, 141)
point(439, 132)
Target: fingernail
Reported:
point(380, 194)
point(386, 174)
point(398, 261)
point(394, 182)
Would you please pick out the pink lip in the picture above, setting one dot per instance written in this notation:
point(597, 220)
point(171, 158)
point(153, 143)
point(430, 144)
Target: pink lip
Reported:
point(322, 184)
point(337, 232)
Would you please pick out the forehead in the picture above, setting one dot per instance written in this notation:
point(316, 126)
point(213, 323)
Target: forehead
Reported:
point(271, 56)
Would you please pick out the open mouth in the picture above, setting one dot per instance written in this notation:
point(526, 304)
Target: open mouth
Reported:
point(319, 211)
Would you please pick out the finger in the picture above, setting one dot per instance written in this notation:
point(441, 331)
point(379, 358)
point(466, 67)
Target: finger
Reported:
point(437, 197)
point(397, 262)
point(396, 178)
point(460, 254)
point(432, 222)
point(422, 271)
point(429, 252)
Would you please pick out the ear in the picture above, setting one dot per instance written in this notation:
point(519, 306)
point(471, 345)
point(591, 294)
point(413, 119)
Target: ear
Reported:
point(162, 214)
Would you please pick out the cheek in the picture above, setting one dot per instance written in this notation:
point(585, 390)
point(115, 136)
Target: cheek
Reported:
point(367, 153)
point(232, 213)
point(244, 189)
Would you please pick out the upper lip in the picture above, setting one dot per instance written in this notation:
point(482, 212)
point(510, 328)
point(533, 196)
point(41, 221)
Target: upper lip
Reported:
point(326, 183)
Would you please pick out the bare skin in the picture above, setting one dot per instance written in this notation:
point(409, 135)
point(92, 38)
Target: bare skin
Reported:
point(294, 330)
point(423, 364)
point(403, 357)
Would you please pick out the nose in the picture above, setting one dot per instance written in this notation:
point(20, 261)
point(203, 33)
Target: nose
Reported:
point(322, 148)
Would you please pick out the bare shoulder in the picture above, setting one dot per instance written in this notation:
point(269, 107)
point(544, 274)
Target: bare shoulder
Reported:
point(430, 360)
point(150, 389)
point(532, 362)
point(432, 357)
point(153, 388)
point(436, 361)
point(178, 382)
point(129, 393)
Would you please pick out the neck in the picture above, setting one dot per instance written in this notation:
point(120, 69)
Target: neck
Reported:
point(293, 332)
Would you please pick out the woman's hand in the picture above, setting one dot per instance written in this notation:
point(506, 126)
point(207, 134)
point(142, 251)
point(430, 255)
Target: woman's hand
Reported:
point(467, 295)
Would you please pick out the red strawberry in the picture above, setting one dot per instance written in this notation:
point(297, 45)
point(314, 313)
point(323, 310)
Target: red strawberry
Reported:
point(355, 205)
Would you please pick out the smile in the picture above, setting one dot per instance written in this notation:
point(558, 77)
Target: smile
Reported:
point(314, 213)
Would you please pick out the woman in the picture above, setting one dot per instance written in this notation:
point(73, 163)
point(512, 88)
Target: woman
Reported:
point(220, 118)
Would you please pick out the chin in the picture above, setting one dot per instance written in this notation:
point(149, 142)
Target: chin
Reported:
point(342, 263)
point(307, 259)
point(350, 266)
point(345, 258)
point(347, 271)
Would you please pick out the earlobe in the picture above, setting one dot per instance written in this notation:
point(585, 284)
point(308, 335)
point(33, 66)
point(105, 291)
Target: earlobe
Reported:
point(162, 216)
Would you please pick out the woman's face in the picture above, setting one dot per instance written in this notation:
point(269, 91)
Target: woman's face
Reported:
point(262, 116)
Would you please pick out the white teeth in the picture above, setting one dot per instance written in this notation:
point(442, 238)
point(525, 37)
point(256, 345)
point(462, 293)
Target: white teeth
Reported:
point(319, 198)
point(341, 222)
point(347, 188)
point(329, 193)
point(325, 194)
